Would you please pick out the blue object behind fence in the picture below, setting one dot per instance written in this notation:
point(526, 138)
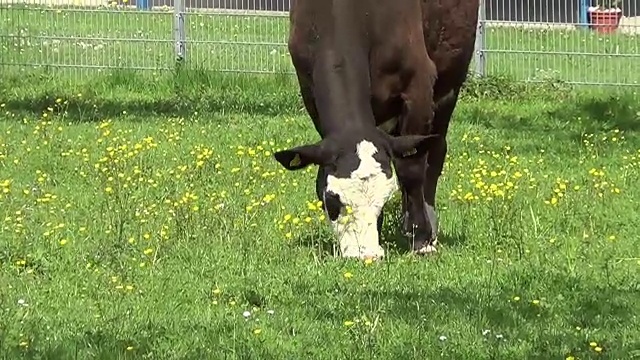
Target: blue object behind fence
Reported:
point(584, 20)
point(144, 4)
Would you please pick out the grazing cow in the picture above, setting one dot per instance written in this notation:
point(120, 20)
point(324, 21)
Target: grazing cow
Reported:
point(380, 80)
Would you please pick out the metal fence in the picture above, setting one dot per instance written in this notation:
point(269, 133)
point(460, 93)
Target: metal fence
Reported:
point(528, 40)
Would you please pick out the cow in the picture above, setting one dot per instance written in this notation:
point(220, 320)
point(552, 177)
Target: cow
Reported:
point(380, 80)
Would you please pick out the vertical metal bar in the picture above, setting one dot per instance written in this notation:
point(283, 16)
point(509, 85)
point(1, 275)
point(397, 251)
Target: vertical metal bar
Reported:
point(179, 33)
point(479, 53)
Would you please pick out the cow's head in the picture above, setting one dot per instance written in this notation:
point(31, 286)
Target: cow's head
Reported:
point(355, 179)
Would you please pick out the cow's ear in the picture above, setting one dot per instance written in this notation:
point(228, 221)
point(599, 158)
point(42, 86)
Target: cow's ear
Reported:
point(411, 145)
point(300, 157)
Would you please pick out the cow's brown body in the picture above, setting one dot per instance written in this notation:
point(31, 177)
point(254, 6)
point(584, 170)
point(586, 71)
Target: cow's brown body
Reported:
point(370, 61)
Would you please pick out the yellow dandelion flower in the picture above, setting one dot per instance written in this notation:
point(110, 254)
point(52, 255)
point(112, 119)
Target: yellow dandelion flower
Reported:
point(348, 323)
point(593, 344)
point(535, 302)
point(348, 275)
point(63, 242)
point(257, 331)
point(597, 349)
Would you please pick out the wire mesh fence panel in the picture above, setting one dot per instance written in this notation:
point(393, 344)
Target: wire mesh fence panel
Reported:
point(74, 35)
point(247, 36)
point(567, 40)
point(530, 40)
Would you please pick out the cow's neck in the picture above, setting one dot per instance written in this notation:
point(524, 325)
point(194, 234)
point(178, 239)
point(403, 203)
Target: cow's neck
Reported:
point(341, 74)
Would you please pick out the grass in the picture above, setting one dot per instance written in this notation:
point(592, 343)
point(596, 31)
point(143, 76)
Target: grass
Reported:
point(111, 38)
point(143, 216)
point(156, 224)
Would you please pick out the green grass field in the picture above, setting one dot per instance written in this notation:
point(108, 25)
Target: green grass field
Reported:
point(132, 39)
point(138, 225)
point(142, 215)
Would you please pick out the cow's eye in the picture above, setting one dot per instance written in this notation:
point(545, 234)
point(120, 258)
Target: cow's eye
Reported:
point(332, 205)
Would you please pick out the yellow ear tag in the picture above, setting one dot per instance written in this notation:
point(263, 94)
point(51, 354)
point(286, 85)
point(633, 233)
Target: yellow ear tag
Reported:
point(410, 152)
point(296, 161)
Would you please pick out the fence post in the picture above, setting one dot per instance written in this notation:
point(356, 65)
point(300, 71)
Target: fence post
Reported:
point(479, 54)
point(179, 33)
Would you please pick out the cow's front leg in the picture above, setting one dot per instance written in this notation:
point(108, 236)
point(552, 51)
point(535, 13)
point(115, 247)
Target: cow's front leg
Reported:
point(416, 119)
point(415, 224)
point(436, 158)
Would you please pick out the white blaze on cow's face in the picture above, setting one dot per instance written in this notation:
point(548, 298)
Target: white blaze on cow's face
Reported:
point(364, 192)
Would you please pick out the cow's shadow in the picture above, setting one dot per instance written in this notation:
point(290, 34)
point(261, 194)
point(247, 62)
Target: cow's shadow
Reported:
point(483, 306)
point(394, 241)
point(567, 123)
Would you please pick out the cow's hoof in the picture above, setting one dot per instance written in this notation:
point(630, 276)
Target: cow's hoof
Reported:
point(425, 247)
point(426, 250)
